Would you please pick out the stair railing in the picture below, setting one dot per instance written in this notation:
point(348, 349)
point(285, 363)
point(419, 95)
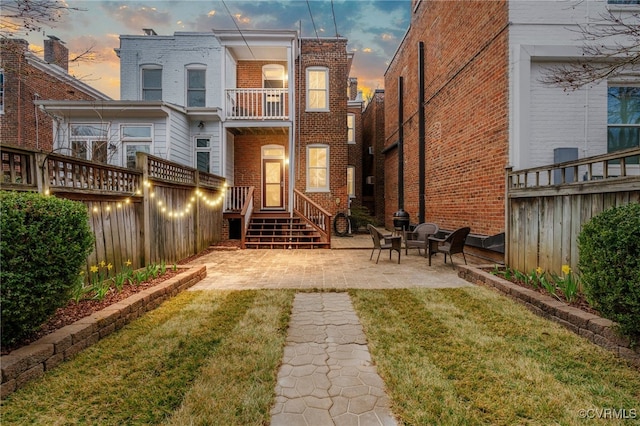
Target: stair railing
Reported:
point(313, 214)
point(239, 200)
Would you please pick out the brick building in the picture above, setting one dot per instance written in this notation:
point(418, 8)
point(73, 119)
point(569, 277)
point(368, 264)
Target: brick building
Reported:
point(481, 106)
point(373, 163)
point(26, 78)
point(265, 109)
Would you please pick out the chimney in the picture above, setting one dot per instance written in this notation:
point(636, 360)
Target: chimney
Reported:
point(56, 53)
point(353, 88)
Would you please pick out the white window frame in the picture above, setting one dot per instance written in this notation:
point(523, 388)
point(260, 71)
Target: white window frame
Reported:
point(206, 149)
point(351, 128)
point(621, 125)
point(203, 69)
point(324, 188)
point(135, 141)
point(309, 89)
point(90, 141)
point(351, 181)
point(142, 86)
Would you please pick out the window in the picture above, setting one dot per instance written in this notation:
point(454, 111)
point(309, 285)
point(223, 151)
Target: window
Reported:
point(636, 2)
point(135, 138)
point(196, 88)
point(317, 89)
point(623, 107)
point(351, 181)
point(89, 141)
point(1, 91)
point(203, 154)
point(152, 84)
point(318, 168)
point(351, 122)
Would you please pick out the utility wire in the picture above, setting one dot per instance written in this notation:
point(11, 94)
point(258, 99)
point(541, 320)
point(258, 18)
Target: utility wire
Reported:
point(239, 30)
point(312, 21)
point(334, 20)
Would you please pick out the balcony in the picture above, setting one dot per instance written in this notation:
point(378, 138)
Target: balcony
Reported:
point(257, 104)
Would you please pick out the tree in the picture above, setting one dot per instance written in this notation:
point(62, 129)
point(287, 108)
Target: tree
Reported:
point(19, 18)
point(611, 48)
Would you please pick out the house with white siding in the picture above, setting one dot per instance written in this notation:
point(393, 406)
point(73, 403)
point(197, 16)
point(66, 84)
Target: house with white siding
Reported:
point(265, 109)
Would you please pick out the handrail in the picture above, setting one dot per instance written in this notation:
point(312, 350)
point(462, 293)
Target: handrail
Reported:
point(313, 214)
point(245, 214)
point(613, 165)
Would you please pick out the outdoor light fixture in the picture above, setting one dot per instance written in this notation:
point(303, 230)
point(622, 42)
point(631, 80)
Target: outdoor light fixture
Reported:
point(201, 125)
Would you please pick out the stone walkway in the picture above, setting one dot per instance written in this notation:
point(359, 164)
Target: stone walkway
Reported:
point(327, 377)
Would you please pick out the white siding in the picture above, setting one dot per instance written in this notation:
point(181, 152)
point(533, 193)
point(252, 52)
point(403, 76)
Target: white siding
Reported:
point(180, 147)
point(229, 169)
point(173, 53)
point(543, 117)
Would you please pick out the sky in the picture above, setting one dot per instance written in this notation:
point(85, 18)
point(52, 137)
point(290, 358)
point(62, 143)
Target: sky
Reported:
point(374, 29)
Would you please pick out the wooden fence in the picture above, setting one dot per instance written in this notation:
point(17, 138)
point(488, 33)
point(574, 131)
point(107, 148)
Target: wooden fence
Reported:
point(547, 206)
point(160, 211)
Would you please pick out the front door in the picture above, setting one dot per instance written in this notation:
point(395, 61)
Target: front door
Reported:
point(272, 183)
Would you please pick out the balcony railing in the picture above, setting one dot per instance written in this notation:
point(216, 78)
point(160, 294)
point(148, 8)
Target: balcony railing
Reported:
point(257, 104)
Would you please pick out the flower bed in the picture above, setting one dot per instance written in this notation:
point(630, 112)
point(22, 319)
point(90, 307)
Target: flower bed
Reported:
point(31, 361)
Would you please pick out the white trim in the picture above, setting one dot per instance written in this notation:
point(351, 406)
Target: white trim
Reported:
point(194, 67)
point(326, 89)
point(351, 141)
point(325, 188)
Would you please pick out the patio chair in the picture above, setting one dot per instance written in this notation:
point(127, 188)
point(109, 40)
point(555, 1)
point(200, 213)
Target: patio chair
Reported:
point(454, 243)
point(418, 237)
point(391, 243)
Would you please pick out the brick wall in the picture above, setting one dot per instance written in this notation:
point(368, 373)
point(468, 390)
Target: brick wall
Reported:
point(248, 171)
point(355, 151)
point(249, 73)
point(466, 116)
point(325, 127)
point(373, 165)
point(22, 124)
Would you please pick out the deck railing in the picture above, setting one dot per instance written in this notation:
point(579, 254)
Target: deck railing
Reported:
point(313, 214)
point(257, 104)
point(160, 211)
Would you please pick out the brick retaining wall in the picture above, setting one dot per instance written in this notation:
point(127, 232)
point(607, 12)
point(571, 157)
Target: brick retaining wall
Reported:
point(30, 362)
point(597, 329)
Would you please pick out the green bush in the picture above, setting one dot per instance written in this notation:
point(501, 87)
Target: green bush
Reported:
point(610, 266)
point(44, 243)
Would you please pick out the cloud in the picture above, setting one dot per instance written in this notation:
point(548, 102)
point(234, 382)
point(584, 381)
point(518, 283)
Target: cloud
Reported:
point(135, 16)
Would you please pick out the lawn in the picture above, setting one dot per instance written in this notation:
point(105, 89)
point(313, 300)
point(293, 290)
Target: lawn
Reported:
point(448, 357)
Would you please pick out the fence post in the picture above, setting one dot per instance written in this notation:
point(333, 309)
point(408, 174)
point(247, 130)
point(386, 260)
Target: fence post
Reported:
point(196, 214)
point(142, 163)
point(507, 216)
point(41, 175)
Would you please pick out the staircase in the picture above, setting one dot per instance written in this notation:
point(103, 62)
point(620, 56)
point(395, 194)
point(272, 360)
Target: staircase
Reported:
point(280, 231)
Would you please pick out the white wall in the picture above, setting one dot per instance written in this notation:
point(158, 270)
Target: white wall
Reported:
point(543, 34)
point(173, 53)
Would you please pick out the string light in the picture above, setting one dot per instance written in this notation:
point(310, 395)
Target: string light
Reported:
point(177, 213)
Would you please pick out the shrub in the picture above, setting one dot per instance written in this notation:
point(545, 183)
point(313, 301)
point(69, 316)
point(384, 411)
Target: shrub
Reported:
point(610, 266)
point(44, 243)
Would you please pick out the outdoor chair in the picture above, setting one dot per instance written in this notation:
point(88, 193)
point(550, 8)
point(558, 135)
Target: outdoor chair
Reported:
point(391, 243)
point(418, 237)
point(452, 244)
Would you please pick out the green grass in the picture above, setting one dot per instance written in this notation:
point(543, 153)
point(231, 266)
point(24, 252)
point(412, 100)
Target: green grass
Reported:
point(469, 356)
point(448, 357)
point(208, 353)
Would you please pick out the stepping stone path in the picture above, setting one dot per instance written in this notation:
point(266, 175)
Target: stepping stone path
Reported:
point(327, 377)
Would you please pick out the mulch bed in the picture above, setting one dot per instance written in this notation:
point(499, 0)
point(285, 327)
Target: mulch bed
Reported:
point(75, 311)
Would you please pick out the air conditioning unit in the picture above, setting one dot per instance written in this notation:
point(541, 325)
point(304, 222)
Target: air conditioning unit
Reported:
point(370, 150)
point(370, 180)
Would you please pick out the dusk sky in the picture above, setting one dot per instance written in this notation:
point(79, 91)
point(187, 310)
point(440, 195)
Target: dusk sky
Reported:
point(374, 29)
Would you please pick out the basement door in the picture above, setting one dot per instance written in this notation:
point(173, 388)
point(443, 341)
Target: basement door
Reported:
point(273, 178)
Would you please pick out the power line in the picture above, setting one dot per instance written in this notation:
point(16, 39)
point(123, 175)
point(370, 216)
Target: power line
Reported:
point(334, 20)
point(312, 21)
point(239, 30)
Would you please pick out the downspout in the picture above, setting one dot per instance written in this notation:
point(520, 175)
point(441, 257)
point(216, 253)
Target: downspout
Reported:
point(421, 136)
point(400, 146)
